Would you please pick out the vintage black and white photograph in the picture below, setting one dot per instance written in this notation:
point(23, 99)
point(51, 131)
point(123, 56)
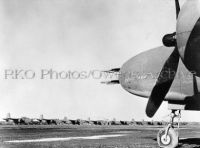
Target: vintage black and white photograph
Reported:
point(99, 74)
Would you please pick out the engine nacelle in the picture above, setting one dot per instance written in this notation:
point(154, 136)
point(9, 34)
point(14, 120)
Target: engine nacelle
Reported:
point(169, 40)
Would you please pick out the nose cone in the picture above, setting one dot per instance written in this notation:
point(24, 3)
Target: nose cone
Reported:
point(188, 35)
point(139, 74)
point(130, 73)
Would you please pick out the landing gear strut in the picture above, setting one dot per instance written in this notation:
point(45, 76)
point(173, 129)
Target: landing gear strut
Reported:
point(168, 137)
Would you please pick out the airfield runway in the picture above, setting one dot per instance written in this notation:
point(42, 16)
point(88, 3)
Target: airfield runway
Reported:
point(90, 137)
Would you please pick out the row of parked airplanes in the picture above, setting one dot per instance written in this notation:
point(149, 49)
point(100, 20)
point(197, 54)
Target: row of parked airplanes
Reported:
point(42, 121)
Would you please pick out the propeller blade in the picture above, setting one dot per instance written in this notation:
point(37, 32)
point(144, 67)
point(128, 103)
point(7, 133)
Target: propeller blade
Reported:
point(177, 7)
point(163, 83)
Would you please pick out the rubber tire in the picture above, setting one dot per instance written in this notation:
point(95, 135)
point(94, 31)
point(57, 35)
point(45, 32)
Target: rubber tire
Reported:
point(173, 137)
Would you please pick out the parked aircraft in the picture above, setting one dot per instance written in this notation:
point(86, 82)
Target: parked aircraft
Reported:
point(159, 75)
point(71, 121)
point(42, 120)
point(22, 120)
point(65, 121)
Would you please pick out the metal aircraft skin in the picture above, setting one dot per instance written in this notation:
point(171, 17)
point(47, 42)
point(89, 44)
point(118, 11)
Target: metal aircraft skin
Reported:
point(170, 73)
point(139, 75)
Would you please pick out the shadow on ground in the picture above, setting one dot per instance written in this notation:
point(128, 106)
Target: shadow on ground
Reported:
point(191, 141)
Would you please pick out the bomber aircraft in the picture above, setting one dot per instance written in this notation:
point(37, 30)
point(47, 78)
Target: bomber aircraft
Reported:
point(17, 121)
point(42, 120)
point(159, 75)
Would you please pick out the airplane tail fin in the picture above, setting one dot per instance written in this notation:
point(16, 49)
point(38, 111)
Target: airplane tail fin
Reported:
point(8, 115)
point(65, 119)
point(41, 117)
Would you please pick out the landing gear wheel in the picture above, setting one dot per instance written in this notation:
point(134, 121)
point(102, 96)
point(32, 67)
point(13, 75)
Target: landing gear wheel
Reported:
point(167, 141)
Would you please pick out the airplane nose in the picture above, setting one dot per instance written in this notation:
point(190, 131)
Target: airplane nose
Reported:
point(188, 35)
point(139, 74)
point(128, 74)
point(133, 77)
point(133, 74)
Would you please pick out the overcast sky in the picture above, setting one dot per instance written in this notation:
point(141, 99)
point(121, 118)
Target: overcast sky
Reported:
point(77, 35)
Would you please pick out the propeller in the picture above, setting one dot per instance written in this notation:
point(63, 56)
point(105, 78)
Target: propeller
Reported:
point(177, 8)
point(167, 73)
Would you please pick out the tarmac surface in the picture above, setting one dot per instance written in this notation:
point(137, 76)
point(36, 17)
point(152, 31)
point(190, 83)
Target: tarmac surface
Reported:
point(90, 137)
